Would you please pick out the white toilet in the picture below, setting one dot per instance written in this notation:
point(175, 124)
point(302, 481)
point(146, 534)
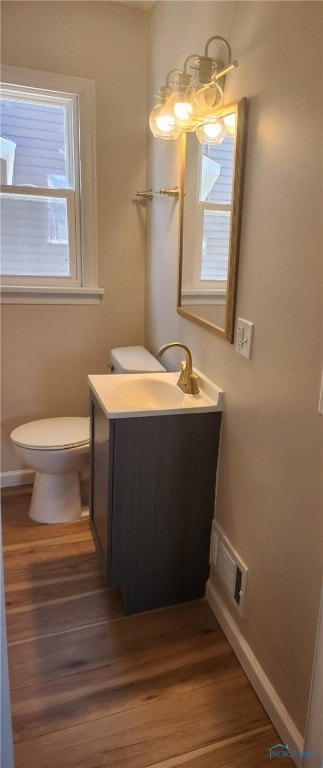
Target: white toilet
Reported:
point(57, 449)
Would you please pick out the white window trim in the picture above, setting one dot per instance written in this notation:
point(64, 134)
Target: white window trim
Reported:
point(196, 265)
point(206, 297)
point(89, 292)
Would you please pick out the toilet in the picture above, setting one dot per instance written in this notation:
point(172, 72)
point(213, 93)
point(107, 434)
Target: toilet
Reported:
point(58, 449)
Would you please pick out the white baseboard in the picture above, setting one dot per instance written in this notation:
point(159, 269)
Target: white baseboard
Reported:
point(16, 477)
point(268, 696)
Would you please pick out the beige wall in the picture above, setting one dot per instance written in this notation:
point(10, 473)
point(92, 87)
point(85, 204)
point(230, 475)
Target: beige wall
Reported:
point(269, 488)
point(47, 351)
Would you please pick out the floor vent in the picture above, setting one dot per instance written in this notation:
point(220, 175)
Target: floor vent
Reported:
point(228, 567)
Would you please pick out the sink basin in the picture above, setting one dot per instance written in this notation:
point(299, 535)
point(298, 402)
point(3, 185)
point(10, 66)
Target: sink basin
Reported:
point(149, 393)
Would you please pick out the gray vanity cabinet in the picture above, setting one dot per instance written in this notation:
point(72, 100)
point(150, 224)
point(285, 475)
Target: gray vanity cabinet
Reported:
point(100, 495)
point(152, 504)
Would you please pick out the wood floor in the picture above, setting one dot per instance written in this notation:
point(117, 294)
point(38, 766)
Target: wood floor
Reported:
point(91, 688)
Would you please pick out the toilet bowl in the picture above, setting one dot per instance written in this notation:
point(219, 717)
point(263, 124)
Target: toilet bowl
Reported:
point(57, 449)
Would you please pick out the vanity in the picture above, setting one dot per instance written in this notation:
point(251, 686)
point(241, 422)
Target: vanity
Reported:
point(153, 466)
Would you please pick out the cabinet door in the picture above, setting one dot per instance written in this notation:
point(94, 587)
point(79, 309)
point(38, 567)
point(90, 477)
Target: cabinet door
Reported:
point(99, 502)
point(164, 474)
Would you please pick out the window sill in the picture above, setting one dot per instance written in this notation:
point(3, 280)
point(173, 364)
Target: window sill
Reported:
point(204, 296)
point(18, 294)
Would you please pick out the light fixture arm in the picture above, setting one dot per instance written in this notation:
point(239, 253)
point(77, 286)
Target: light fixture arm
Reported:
point(222, 40)
point(168, 78)
point(231, 64)
point(234, 64)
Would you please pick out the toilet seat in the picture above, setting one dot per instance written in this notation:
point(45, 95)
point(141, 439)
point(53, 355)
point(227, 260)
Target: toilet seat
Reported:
point(53, 434)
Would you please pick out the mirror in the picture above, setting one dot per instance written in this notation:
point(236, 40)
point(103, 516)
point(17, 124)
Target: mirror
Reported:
point(211, 186)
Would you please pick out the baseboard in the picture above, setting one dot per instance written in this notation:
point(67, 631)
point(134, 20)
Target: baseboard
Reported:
point(268, 696)
point(16, 477)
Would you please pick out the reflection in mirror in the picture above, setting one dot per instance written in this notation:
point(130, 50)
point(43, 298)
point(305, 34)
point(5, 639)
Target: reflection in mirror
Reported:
point(211, 181)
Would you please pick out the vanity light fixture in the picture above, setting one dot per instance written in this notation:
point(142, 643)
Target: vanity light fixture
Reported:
point(188, 103)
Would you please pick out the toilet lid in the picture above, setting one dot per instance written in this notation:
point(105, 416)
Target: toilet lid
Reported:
point(64, 432)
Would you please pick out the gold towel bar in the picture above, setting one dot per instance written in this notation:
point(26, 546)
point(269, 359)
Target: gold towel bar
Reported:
point(149, 194)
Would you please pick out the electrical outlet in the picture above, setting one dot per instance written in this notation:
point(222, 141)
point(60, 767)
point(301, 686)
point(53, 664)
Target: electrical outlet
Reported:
point(244, 337)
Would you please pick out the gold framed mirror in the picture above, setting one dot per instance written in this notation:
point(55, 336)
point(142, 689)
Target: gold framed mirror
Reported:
point(210, 214)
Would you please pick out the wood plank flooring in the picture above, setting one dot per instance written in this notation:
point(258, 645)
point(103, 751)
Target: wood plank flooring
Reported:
point(91, 688)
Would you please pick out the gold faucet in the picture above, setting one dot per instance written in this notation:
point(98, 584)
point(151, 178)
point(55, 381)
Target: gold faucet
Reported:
point(187, 381)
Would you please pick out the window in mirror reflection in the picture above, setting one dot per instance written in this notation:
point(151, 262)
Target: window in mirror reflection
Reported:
point(215, 175)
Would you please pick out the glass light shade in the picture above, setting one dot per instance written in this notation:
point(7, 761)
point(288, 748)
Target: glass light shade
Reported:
point(180, 103)
point(162, 123)
point(230, 123)
point(181, 110)
point(211, 133)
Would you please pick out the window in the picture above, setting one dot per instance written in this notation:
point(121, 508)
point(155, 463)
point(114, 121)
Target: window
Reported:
point(48, 212)
point(208, 221)
point(215, 203)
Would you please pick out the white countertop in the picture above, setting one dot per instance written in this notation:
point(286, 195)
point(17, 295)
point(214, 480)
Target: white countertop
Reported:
point(152, 394)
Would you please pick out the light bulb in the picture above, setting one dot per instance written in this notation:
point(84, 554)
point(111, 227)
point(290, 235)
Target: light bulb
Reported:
point(210, 133)
point(162, 124)
point(183, 110)
point(212, 130)
point(180, 103)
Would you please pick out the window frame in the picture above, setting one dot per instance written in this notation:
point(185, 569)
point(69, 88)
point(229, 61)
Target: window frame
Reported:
point(218, 286)
point(84, 287)
point(194, 289)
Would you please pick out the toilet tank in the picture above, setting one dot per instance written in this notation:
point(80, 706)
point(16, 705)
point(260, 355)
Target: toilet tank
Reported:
point(134, 360)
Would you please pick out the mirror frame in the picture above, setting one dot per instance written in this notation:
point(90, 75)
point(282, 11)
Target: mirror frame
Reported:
point(228, 331)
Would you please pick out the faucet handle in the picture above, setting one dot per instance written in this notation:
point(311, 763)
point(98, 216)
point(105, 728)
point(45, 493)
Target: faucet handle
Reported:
point(194, 385)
